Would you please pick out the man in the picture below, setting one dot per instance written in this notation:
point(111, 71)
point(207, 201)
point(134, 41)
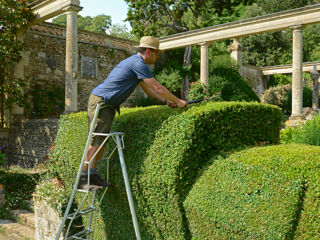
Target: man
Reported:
point(115, 89)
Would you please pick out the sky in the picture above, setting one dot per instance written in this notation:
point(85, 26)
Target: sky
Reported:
point(117, 9)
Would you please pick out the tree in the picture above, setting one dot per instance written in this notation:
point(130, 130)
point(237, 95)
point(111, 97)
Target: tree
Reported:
point(97, 24)
point(121, 31)
point(276, 48)
point(14, 16)
point(160, 18)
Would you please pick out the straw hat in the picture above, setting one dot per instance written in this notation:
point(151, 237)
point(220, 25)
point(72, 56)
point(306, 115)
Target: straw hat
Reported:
point(149, 42)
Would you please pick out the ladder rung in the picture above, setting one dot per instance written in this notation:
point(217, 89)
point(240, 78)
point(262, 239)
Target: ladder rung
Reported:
point(81, 212)
point(81, 234)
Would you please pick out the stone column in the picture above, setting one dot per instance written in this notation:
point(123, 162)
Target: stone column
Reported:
point(71, 81)
point(315, 92)
point(236, 51)
point(19, 69)
point(297, 87)
point(204, 65)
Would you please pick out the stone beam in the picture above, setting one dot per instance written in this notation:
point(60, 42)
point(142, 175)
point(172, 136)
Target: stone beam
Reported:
point(266, 23)
point(46, 9)
point(306, 67)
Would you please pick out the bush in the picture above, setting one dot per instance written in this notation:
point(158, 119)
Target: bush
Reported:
point(226, 82)
point(165, 150)
point(278, 80)
point(19, 186)
point(308, 133)
point(171, 79)
point(259, 193)
point(281, 96)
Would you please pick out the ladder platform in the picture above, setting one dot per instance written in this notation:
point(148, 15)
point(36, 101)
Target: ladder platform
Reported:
point(108, 134)
point(81, 235)
point(81, 212)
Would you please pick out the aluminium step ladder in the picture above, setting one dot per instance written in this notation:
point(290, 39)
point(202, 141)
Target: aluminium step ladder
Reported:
point(88, 233)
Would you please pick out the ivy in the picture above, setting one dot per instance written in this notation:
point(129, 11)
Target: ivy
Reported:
point(15, 16)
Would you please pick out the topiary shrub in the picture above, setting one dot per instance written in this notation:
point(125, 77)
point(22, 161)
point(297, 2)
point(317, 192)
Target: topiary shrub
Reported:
point(164, 150)
point(259, 193)
point(224, 81)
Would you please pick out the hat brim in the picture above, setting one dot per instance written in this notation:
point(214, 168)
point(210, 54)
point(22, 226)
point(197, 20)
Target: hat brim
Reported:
point(149, 47)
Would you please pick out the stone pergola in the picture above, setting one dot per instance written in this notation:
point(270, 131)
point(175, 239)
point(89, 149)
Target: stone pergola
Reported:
point(46, 9)
point(294, 19)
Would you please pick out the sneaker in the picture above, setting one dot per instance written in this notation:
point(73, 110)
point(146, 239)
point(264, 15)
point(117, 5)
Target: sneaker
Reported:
point(95, 182)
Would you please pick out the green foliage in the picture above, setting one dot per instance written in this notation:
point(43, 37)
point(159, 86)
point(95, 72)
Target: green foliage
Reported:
point(224, 81)
point(279, 79)
point(47, 101)
point(142, 101)
point(165, 150)
point(259, 193)
point(161, 18)
point(308, 133)
point(281, 96)
point(19, 187)
point(2, 156)
point(97, 24)
point(275, 48)
point(171, 79)
point(277, 95)
point(15, 15)
point(121, 31)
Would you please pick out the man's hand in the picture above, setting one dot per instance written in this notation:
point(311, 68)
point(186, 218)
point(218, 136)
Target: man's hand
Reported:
point(182, 104)
point(171, 104)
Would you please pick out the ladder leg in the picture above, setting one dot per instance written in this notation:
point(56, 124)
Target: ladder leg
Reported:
point(128, 190)
point(79, 173)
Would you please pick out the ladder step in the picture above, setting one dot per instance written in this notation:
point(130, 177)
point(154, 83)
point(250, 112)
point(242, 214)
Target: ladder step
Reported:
point(81, 212)
point(81, 235)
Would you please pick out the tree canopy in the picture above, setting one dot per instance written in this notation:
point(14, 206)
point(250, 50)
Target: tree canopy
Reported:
point(276, 48)
point(97, 24)
point(160, 18)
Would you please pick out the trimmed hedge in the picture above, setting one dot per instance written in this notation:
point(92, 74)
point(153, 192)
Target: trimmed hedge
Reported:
point(165, 151)
point(259, 193)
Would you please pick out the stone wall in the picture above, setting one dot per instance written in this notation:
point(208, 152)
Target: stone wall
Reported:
point(255, 78)
point(43, 65)
point(44, 58)
point(47, 221)
point(30, 141)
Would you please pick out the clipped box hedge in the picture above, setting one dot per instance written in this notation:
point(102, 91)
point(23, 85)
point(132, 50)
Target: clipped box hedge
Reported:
point(165, 152)
point(260, 193)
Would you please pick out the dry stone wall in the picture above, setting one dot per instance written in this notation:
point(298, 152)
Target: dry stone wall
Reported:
point(30, 141)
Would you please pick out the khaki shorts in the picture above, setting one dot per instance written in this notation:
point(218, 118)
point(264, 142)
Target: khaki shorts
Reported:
point(104, 119)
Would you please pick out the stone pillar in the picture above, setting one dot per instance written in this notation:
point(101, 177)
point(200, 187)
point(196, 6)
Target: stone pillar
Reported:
point(204, 64)
point(236, 51)
point(71, 81)
point(297, 87)
point(19, 69)
point(315, 92)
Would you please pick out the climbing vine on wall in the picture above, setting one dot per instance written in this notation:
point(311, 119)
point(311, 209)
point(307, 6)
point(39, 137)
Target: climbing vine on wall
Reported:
point(15, 16)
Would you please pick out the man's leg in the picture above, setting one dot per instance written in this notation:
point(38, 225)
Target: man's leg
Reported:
point(103, 125)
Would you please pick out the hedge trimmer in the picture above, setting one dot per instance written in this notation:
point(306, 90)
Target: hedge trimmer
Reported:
point(202, 99)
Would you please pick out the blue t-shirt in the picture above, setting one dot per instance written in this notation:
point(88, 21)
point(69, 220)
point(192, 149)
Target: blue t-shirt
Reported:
point(122, 80)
